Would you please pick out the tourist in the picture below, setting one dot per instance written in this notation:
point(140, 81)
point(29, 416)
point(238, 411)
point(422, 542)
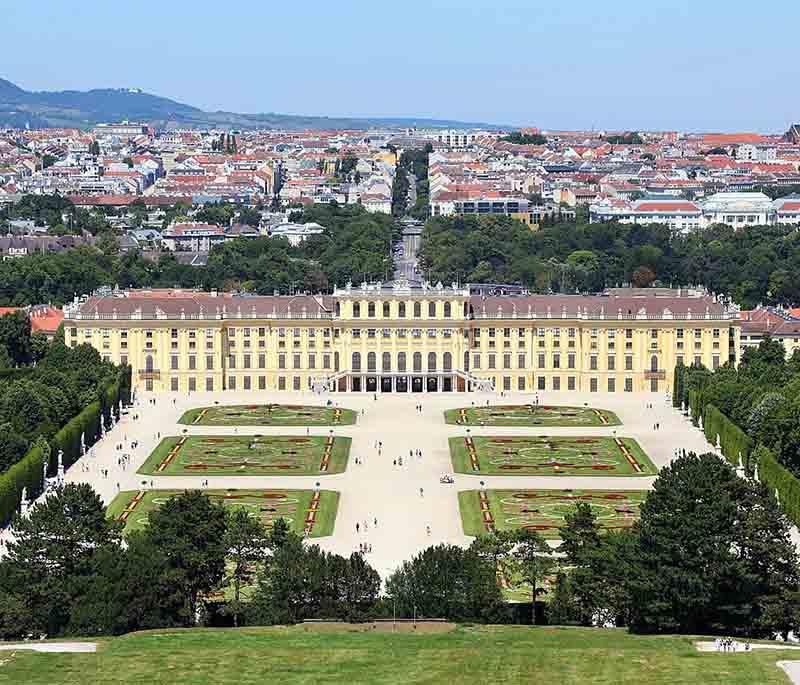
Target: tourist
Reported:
point(421, 493)
point(375, 522)
point(428, 529)
point(358, 527)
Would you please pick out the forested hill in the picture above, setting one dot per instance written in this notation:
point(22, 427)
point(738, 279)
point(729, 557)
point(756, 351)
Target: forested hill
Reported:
point(83, 109)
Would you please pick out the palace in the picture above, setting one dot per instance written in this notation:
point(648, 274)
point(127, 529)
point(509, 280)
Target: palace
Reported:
point(402, 338)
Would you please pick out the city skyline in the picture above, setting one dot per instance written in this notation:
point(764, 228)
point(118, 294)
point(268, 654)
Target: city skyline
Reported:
point(677, 67)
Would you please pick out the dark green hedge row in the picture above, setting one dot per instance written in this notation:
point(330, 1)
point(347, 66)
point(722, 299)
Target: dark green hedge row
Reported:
point(735, 443)
point(26, 473)
point(776, 477)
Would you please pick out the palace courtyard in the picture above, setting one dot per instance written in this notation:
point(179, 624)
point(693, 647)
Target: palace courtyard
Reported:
point(388, 484)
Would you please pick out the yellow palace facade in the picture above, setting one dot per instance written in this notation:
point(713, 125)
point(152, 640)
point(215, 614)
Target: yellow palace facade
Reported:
point(402, 338)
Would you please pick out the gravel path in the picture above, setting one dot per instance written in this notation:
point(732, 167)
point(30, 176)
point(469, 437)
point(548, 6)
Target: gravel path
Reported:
point(77, 647)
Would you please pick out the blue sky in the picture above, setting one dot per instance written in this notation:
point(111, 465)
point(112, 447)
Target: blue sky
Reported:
point(702, 65)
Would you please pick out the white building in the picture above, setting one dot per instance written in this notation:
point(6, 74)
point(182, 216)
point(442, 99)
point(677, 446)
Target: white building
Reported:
point(738, 209)
point(294, 233)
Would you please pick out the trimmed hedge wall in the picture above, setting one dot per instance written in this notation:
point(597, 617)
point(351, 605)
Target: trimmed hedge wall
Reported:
point(776, 477)
point(695, 408)
point(732, 440)
point(26, 473)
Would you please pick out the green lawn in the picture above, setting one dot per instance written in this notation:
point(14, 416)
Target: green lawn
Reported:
point(549, 456)
point(269, 415)
point(531, 415)
point(543, 510)
point(248, 455)
point(267, 505)
point(303, 655)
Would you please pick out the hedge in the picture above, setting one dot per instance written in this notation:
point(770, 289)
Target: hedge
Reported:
point(776, 477)
point(8, 375)
point(695, 408)
point(26, 473)
point(732, 440)
point(678, 385)
point(87, 423)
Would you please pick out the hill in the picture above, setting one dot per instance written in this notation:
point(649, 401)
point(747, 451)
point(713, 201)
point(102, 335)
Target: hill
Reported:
point(83, 109)
point(355, 654)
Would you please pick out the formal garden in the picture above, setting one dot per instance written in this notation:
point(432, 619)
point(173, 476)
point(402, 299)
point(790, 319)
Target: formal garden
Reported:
point(248, 455)
point(531, 415)
point(268, 415)
point(313, 511)
point(543, 511)
point(549, 456)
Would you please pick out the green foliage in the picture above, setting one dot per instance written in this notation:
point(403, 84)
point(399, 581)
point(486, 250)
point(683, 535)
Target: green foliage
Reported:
point(449, 582)
point(190, 530)
point(520, 138)
point(714, 554)
point(735, 444)
point(15, 337)
point(26, 473)
point(777, 478)
point(632, 138)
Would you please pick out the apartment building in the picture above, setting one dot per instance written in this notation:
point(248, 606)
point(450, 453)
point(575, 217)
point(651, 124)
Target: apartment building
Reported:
point(402, 338)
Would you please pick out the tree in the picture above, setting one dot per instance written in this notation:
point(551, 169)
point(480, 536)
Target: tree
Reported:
point(189, 529)
point(520, 138)
point(533, 562)
point(580, 535)
point(713, 554)
point(39, 345)
point(246, 544)
point(15, 336)
point(52, 548)
point(643, 277)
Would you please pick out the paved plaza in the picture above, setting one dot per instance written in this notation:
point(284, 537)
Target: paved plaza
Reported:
point(404, 499)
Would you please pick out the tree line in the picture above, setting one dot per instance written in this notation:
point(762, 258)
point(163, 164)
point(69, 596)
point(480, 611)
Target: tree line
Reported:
point(711, 554)
point(355, 246)
point(753, 265)
point(37, 400)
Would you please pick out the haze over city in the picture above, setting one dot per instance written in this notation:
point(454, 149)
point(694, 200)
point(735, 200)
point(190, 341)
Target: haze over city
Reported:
point(664, 65)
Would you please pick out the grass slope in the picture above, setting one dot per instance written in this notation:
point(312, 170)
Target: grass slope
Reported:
point(304, 655)
point(230, 455)
point(550, 456)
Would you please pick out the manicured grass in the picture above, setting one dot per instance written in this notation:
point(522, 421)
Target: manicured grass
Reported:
point(267, 505)
point(269, 415)
point(549, 456)
point(531, 415)
point(308, 655)
point(247, 455)
point(543, 510)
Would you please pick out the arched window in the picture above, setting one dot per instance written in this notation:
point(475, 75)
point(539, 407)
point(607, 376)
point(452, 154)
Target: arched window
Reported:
point(148, 363)
point(447, 362)
point(371, 361)
point(431, 310)
point(401, 361)
point(654, 363)
point(356, 310)
point(448, 310)
point(386, 362)
point(401, 310)
point(386, 310)
point(338, 309)
point(371, 310)
point(431, 361)
point(466, 361)
point(417, 361)
point(417, 310)
point(356, 361)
